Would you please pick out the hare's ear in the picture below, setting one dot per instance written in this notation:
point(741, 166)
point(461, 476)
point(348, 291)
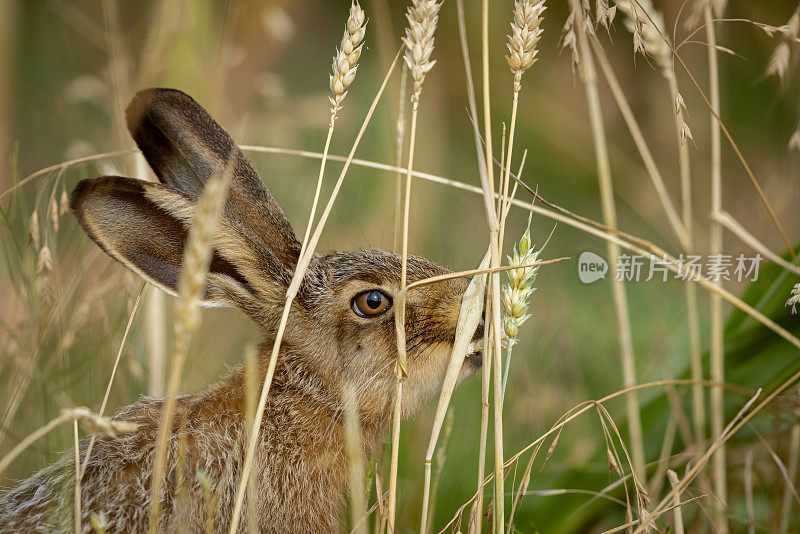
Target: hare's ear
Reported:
point(144, 226)
point(185, 147)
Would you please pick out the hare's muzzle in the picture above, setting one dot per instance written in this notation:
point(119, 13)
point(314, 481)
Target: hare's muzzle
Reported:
point(474, 356)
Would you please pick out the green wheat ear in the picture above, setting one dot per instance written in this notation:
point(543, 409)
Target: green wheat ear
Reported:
point(519, 289)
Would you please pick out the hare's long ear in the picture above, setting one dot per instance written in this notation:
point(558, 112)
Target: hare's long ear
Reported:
point(185, 147)
point(145, 225)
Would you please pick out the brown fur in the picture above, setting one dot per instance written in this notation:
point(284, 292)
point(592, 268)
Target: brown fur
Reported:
point(300, 467)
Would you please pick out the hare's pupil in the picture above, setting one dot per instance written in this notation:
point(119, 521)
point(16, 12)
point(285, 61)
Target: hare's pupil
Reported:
point(374, 300)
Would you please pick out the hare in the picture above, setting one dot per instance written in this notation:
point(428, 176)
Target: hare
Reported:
point(340, 331)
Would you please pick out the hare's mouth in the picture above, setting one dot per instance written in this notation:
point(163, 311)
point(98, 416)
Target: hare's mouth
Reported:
point(475, 354)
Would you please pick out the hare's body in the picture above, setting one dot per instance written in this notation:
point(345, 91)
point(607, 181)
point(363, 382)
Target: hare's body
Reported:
point(340, 335)
point(300, 471)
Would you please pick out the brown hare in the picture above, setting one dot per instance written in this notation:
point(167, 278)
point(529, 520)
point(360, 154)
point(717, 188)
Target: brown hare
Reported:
point(341, 331)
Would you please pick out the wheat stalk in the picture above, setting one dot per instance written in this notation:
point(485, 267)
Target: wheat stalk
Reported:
point(343, 72)
point(471, 305)
point(422, 16)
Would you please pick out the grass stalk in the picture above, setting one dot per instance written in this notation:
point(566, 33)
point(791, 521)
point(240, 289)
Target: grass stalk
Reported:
point(641, 144)
point(472, 304)
point(476, 514)
point(589, 79)
point(400, 133)
point(441, 456)
point(498, 516)
point(422, 17)
point(76, 509)
point(155, 312)
point(251, 398)
point(113, 374)
point(319, 186)
point(736, 228)
point(194, 270)
point(715, 247)
point(690, 290)
point(343, 72)
point(32, 438)
point(294, 286)
point(677, 514)
point(792, 468)
point(400, 321)
point(100, 424)
point(355, 462)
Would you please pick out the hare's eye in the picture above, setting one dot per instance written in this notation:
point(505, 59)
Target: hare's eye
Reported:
point(371, 303)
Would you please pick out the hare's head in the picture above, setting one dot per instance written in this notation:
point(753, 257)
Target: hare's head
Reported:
point(341, 325)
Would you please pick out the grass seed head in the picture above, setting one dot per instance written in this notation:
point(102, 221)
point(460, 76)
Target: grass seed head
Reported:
point(794, 300)
point(63, 202)
point(646, 37)
point(569, 36)
point(604, 14)
point(345, 62)
point(45, 261)
point(525, 34)
point(422, 17)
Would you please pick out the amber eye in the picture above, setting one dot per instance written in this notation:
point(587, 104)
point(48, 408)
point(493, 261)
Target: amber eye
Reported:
point(371, 303)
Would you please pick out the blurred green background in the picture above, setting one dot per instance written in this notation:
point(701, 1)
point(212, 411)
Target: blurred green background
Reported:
point(261, 68)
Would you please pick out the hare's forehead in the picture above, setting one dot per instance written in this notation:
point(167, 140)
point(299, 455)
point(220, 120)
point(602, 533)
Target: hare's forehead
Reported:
point(377, 267)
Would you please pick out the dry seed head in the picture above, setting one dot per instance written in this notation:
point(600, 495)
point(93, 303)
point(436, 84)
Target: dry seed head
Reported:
point(45, 260)
point(197, 256)
point(525, 34)
point(569, 38)
point(646, 37)
point(718, 6)
point(604, 14)
point(33, 230)
point(422, 17)
point(686, 133)
point(779, 61)
point(345, 62)
point(99, 424)
point(64, 202)
point(54, 215)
